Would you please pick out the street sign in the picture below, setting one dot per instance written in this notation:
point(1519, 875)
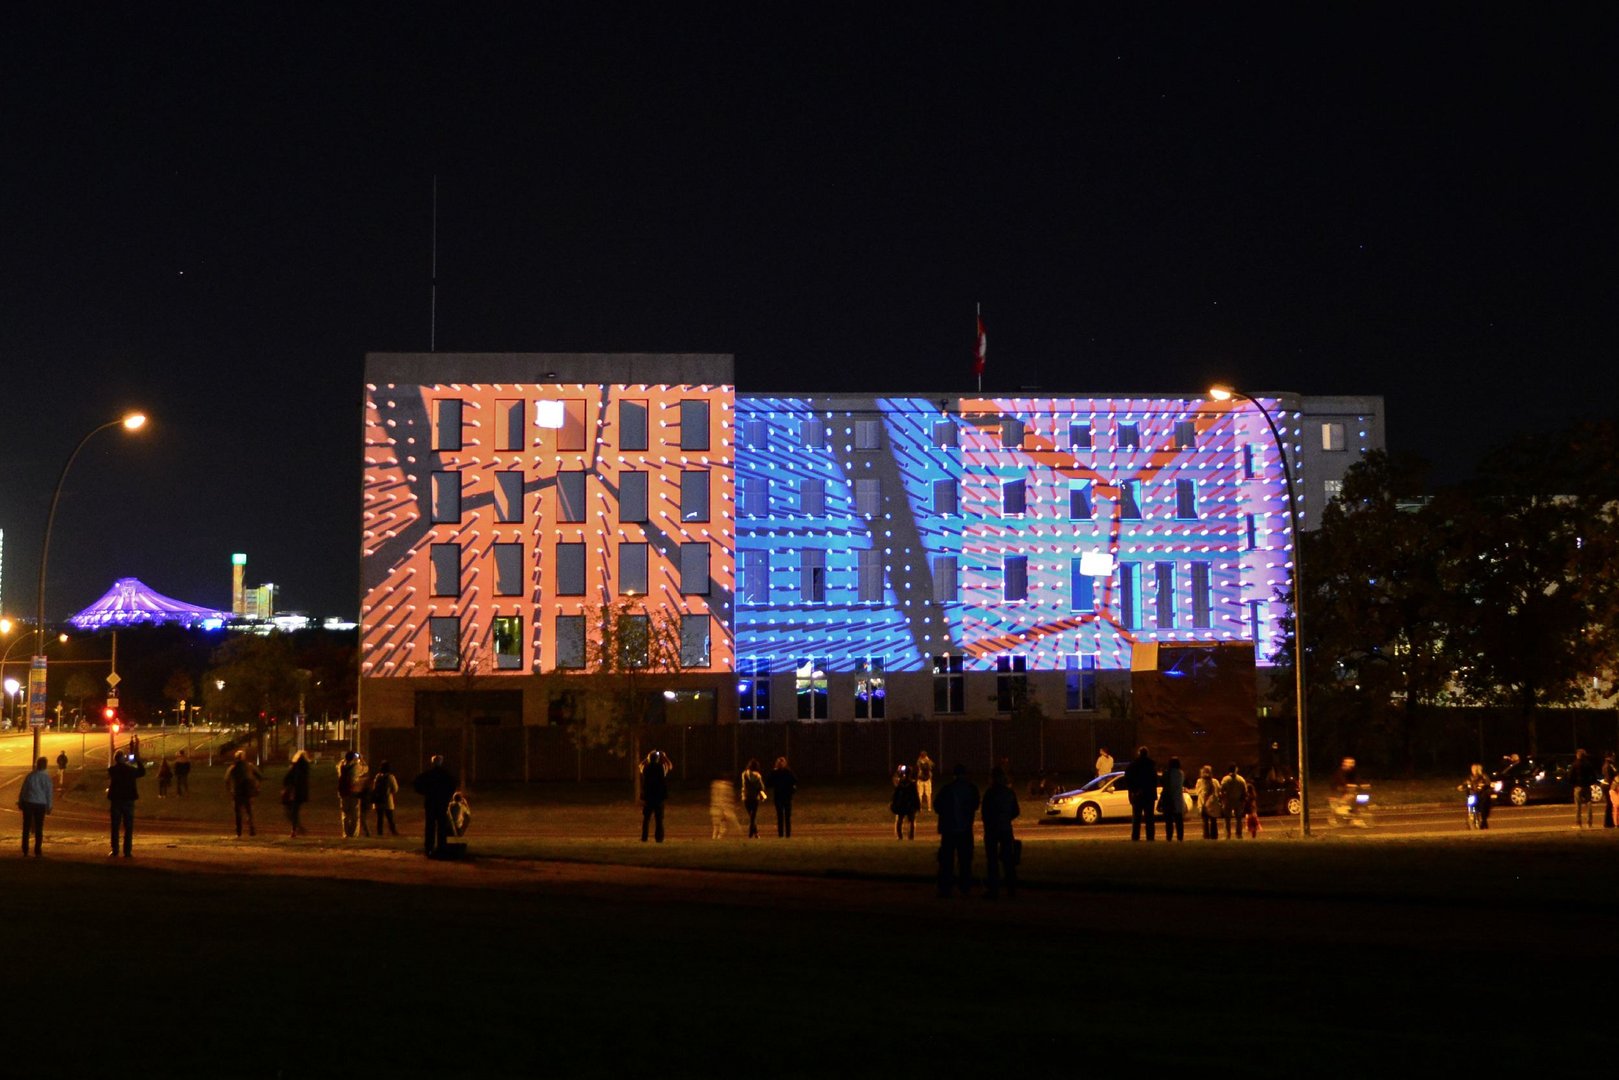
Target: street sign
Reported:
point(113, 680)
point(36, 693)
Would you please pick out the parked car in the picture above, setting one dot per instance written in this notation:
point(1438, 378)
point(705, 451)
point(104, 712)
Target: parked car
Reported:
point(1539, 779)
point(1103, 799)
point(1277, 795)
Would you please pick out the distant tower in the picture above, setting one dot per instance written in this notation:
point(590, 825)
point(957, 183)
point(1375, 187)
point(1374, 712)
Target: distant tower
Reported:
point(238, 591)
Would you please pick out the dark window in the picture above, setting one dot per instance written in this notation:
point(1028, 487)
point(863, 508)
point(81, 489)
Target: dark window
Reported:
point(755, 577)
point(1015, 574)
point(1129, 602)
point(446, 569)
point(1185, 434)
point(944, 433)
point(571, 436)
point(570, 641)
point(946, 498)
point(1014, 497)
point(755, 496)
point(1081, 683)
point(694, 495)
point(1081, 588)
point(1079, 500)
point(444, 642)
point(870, 689)
point(635, 641)
point(507, 632)
point(1011, 434)
point(1130, 500)
point(1164, 594)
point(868, 575)
point(570, 495)
point(756, 434)
point(868, 434)
point(446, 498)
point(949, 685)
point(1186, 499)
point(946, 580)
point(632, 569)
point(509, 495)
point(812, 498)
point(753, 689)
point(868, 496)
point(1079, 436)
point(570, 569)
point(1201, 600)
point(631, 496)
point(812, 434)
point(632, 425)
point(694, 424)
point(810, 680)
point(812, 576)
point(694, 569)
point(447, 424)
point(694, 641)
point(1251, 525)
point(508, 569)
point(1011, 683)
point(1129, 436)
point(509, 417)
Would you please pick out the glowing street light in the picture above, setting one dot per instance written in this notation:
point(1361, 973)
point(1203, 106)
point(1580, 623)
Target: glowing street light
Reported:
point(1226, 393)
point(36, 674)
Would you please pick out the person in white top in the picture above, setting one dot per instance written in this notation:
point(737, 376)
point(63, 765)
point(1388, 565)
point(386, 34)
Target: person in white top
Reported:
point(1104, 762)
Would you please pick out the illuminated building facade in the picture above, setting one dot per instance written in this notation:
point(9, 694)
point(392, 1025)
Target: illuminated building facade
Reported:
point(841, 557)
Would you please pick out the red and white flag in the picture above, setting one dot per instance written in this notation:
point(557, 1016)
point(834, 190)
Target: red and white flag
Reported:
point(982, 348)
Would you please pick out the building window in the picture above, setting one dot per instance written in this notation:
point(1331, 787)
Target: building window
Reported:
point(812, 576)
point(945, 434)
point(694, 569)
point(870, 693)
point(1332, 436)
point(509, 417)
point(1129, 602)
point(1011, 683)
point(753, 688)
point(1129, 436)
point(1201, 600)
point(868, 496)
point(447, 424)
point(1130, 500)
point(570, 569)
point(570, 641)
point(1080, 689)
point(868, 434)
point(949, 685)
point(1332, 489)
point(694, 424)
point(571, 495)
point(507, 633)
point(571, 435)
point(868, 575)
point(755, 577)
point(1247, 461)
point(694, 641)
point(632, 569)
point(810, 687)
point(755, 493)
point(1256, 619)
point(1079, 436)
point(508, 569)
point(635, 641)
point(446, 498)
point(1186, 499)
point(1251, 523)
point(1011, 433)
point(632, 425)
point(632, 498)
point(509, 495)
point(946, 580)
point(1014, 497)
point(1185, 435)
point(812, 498)
point(444, 642)
point(1164, 594)
point(1079, 500)
point(946, 498)
point(1015, 577)
point(694, 495)
point(812, 434)
point(756, 434)
point(446, 569)
point(1081, 588)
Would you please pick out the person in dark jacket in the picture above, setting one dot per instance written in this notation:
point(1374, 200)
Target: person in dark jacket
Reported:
point(1141, 781)
point(1609, 772)
point(437, 787)
point(783, 785)
point(1584, 775)
point(1000, 846)
point(295, 791)
point(182, 774)
point(905, 803)
point(956, 804)
point(242, 782)
point(384, 786)
point(654, 793)
point(1172, 801)
point(121, 796)
point(752, 790)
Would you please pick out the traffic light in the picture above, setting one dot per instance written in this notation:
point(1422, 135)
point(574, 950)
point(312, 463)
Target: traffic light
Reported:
point(110, 713)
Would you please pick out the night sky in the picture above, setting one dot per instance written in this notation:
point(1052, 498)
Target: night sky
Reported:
point(213, 212)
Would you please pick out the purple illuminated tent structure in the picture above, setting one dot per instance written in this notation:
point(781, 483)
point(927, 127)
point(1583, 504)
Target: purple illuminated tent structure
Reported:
point(129, 602)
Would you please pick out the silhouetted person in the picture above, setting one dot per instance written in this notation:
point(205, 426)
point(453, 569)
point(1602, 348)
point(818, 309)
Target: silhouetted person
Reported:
point(654, 793)
point(35, 800)
point(753, 790)
point(1172, 801)
point(1141, 782)
point(1233, 794)
point(295, 791)
point(783, 786)
point(437, 787)
point(1000, 809)
point(350, 789)
point(122, 794)
point(1584, 774)
point(956, 805)
point(61, 769)
point(924, 779)
point(905, 803)
point(242, 783)
point(182, 774)
point(384, 786)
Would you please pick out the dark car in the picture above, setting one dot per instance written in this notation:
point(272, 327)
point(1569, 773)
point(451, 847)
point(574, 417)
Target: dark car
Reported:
point(1544, 779)
point(1275, 794)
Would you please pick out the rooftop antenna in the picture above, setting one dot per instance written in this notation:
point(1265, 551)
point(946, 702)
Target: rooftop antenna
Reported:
point(432, 305)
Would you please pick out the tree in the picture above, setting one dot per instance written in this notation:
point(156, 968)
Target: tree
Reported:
point(179, 689)
point(81, 687)
point(254, 679)
point(630, 653)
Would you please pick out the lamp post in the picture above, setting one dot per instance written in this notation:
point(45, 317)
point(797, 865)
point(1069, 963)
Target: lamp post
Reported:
point(36, 673)
point(1226, 393)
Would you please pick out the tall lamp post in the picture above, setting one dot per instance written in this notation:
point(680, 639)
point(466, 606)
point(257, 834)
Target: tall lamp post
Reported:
point(36, 674)
point(1226, 393)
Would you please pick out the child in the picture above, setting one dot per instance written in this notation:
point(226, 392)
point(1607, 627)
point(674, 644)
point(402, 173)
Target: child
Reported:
point(1250, 810)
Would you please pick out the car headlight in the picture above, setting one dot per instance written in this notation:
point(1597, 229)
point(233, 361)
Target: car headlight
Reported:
point(1495, 785)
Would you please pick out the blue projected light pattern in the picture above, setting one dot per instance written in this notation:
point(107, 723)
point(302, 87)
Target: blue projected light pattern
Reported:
point(909, 528)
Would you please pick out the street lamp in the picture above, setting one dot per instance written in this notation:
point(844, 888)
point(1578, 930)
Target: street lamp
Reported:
point(36, 674)
point(1226, 393)
point(12, 686)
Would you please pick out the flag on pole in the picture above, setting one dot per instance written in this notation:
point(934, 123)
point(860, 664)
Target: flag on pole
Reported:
point(981, 349)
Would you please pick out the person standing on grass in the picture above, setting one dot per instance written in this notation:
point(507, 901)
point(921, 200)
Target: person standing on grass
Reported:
point(295, 791)
point(384, 786)
point(1104, 762)
point(1609, 772)
point(1141, 781)
point(1172, 801)
point(753, 790)
point(1000, 809)
point(1233, 792)
point(350, 778)
point(1207, 792)
point(783, 786)
point(924, 780)
point(1584, 775)
point(122, 794)
point(242, 781)
point(61, 770)
point(904, 804)
point(35, 800)
point(956, 807)
point(654, 793)
point(182, 775)
point(437, 786)
point(164, 776)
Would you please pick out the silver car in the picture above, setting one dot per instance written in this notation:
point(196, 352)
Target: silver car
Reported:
point(1103, 799)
